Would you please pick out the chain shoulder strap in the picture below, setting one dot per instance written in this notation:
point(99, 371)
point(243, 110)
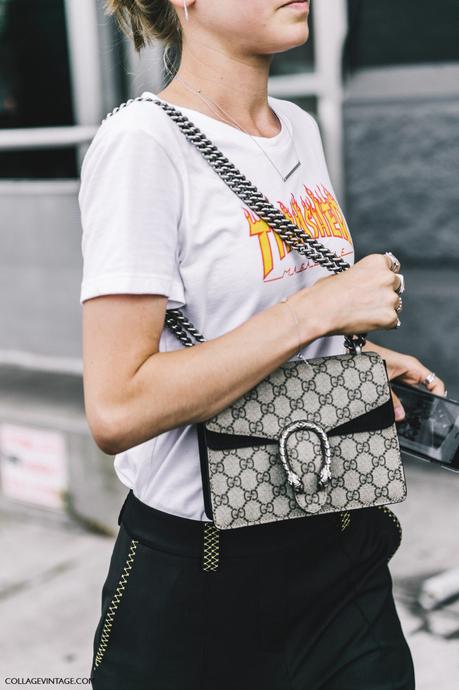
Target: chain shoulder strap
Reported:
point(296, 238)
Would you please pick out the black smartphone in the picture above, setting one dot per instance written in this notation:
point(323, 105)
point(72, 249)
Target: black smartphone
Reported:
point(430, 430)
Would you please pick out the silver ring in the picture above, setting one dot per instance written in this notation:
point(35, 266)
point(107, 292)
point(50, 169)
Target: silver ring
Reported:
point(398, 324)
point(395, 262)
point(401, 287)
point(428, 379)
point(446, 393)
point(399, 307)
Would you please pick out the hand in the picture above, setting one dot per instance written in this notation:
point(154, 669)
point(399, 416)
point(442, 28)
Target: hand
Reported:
point(361, 299)
point(407, 369)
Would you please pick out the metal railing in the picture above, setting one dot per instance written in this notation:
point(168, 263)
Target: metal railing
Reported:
point(45, 137)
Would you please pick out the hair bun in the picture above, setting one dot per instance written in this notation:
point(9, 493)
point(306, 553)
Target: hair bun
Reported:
point(144, 21)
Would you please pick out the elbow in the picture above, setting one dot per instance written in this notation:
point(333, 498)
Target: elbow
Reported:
point(107, 444)
point(113, 433)
point(106, 431)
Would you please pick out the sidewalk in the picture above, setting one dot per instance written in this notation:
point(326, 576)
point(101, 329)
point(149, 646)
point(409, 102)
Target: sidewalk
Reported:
point(430, 545)
point(51, 579)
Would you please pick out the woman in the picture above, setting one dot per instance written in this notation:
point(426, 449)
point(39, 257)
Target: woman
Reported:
point(304, 603)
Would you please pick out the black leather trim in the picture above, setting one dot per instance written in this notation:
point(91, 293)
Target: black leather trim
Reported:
point(204, 462)
point(379, 418)
point(217, 441)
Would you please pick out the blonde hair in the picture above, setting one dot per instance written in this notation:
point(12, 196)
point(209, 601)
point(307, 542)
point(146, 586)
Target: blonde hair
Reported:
point(143, 21)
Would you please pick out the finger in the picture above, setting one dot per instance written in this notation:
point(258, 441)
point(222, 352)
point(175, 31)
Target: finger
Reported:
point(437, 387)
point(390, 263)
point(399, 411)
point(396, 298)
point(395, 321)
point(399, 283)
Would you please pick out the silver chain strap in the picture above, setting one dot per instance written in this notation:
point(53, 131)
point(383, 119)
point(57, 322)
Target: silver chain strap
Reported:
point(258, 202)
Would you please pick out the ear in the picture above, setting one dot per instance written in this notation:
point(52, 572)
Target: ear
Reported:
point(179, 6)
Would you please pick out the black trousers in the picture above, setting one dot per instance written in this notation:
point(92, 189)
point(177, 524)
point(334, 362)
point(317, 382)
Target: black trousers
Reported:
point(302, 604)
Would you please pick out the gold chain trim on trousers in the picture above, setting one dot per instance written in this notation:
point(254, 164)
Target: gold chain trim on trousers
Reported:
point(211, 547)
point(109, 617)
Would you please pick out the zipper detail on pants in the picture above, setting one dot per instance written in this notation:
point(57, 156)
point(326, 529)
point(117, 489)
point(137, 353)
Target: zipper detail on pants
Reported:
point(110, 615)
point(396, 521)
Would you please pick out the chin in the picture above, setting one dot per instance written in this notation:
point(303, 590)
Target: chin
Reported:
point(292, 38)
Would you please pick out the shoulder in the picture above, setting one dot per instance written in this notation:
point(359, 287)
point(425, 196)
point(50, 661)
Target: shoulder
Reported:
point(142, 115)
point(297, 115)
point(135, 127)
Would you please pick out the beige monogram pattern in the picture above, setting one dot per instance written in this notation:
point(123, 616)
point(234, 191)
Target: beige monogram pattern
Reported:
point(248, 485)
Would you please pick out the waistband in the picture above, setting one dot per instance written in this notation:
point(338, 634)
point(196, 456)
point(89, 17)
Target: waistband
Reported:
point(184, 536)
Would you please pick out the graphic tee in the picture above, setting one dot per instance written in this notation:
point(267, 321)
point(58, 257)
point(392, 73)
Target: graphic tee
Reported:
point(157, 219)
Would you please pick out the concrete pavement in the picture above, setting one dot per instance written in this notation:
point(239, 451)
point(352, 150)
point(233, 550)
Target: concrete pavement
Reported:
point(52, 573)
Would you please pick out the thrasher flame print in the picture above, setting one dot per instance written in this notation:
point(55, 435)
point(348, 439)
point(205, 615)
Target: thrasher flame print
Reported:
point(317, 213)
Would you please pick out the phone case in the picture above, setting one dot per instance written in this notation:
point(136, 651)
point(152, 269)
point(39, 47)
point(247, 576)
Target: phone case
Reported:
point(430, 430)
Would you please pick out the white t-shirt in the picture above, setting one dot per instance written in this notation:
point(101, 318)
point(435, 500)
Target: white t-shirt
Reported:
point(157, 219)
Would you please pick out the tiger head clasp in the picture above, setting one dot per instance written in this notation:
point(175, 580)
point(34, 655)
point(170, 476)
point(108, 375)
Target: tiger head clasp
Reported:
point(292, 477)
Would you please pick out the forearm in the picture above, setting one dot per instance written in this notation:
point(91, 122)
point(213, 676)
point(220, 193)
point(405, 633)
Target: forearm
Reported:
point(373, 347)
point(370, 346)
point(172, 389)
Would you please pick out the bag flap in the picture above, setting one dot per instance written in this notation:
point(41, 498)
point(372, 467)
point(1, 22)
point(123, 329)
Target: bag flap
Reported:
point(329, 391)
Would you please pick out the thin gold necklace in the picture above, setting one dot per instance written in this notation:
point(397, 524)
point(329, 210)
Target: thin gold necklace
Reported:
point(211, 104)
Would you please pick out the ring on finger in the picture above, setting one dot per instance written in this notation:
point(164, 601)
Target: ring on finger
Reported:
point(398, 324)
point(395, 262)
point(399, 307)
point(401, 287)
point(428, 379)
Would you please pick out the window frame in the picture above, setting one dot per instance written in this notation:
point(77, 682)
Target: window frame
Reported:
point(83, 17)
point(91, 88)
point(324, 82)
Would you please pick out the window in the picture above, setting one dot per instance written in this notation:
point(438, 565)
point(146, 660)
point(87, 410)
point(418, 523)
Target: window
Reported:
point(399, 33)
point(35, 88)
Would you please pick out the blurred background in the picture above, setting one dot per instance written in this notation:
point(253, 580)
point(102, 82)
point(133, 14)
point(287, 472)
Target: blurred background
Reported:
point(382, 80)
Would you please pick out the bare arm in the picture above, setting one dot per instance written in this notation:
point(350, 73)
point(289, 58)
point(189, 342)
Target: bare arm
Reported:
point(133, 392)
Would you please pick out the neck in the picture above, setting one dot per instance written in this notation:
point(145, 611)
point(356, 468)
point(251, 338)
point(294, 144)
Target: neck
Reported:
point(236, 83)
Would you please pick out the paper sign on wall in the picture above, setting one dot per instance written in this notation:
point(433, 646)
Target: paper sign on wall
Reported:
point(33, 465)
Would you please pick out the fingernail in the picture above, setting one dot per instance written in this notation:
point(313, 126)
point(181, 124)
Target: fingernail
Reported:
point(399, 412)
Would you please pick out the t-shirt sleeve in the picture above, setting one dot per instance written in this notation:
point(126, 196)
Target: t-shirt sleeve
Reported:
point(131, 206)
